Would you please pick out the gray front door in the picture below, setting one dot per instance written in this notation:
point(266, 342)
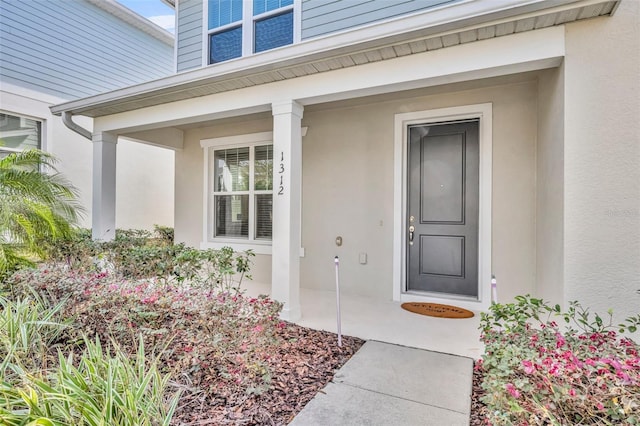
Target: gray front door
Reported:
point(442, 211)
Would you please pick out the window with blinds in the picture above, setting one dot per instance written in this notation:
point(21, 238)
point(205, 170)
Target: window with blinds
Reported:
point(19, 133)
point(243, 192)
point(267, 24)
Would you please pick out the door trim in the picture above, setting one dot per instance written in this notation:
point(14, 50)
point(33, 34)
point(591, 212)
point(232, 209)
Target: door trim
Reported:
point(484, 112)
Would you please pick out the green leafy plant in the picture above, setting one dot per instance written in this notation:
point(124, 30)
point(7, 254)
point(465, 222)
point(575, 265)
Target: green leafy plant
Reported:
point(213, 328)
point(185, 304)
point(536, 372)
point(97, 389)
point(140, 254)
point(29, 330)
point(165, 233)
point(36, 203)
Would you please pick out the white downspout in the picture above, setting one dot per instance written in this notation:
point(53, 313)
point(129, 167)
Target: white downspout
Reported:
point(67, 119)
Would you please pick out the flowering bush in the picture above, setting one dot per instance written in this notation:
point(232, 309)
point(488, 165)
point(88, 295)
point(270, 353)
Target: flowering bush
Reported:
point(536, 372)
point(228, 356)
point(216, 333)
point(135, 254)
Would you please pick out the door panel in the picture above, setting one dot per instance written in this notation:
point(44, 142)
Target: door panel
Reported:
point(442, 211)
point(442, 161)
point(442, 255)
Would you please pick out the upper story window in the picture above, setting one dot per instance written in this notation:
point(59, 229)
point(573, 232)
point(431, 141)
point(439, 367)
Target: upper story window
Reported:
point(19, 133)
point(239, 28)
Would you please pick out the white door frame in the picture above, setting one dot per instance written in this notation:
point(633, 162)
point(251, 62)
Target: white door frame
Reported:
point(484, 112)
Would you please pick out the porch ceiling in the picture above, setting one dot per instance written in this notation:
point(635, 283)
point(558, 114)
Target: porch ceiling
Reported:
point(206, 82)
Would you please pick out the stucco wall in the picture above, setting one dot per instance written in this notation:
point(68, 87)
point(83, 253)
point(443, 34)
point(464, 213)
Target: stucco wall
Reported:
point(602, 161)
point(550, 187)
point(189, 168)
point(144, 173)
point(348, 187)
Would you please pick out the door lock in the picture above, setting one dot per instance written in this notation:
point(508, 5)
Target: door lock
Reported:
point(411, 229)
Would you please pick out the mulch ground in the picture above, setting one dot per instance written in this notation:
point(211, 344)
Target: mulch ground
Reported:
point(478, 409)
point(300, 368)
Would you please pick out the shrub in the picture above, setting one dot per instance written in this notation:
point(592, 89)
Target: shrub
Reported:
point(536, 372)
point(40, 385)
point(36, 206)
point(99, 390)
point(138, 254)
point(212, 332)
point(29, 330)
point(186, 304)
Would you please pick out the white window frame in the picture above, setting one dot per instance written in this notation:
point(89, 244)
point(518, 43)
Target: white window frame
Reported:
point(23, 118)
point(247, 24)
point(259, 246)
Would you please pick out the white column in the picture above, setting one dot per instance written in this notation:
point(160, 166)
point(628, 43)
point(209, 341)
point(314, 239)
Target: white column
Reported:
point(287, 178)
point(103, 211)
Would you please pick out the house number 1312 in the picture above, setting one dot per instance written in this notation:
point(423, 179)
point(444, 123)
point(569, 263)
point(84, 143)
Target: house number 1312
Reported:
point(281, 171)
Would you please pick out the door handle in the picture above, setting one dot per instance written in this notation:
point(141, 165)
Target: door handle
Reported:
point(411, 229)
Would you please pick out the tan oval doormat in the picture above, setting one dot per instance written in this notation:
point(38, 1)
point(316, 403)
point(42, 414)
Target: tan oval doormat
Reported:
point(437, 310)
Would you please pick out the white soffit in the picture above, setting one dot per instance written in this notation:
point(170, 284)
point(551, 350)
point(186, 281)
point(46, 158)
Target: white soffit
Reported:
point(389, 40)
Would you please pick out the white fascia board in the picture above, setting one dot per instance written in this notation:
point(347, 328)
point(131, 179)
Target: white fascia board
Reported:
point(132, 18)
point(450, 17)
point(520, 52)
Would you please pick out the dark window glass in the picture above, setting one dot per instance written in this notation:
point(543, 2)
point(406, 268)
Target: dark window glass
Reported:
point(232, 216)
point(225, 45)
point(264, 216)
point(273, 32)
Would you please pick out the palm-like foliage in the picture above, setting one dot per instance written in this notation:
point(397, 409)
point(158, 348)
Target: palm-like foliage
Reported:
point(35, 206)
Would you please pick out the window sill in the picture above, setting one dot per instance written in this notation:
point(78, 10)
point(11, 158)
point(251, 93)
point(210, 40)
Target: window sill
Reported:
point(237, 246)
point(257, 248)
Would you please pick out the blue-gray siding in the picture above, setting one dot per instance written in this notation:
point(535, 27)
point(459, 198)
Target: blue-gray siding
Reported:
point(189, 34)
point(72, 49)
point(320, 17)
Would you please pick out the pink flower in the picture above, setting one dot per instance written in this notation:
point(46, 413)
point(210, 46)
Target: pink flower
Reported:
point(624, 376)
point(150, 299)
point(600, 406)
point(572, 392)
point(512, 390)
point(529, 367)
point(258, 328)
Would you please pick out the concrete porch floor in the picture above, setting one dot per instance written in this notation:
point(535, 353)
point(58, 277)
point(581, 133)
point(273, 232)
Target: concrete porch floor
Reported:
point(384, 321)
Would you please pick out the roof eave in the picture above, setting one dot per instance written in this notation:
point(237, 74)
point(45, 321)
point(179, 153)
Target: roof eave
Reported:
point(306, 52)
point(132, 18)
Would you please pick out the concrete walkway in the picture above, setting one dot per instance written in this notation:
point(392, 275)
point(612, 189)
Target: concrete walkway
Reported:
point(387, 385)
